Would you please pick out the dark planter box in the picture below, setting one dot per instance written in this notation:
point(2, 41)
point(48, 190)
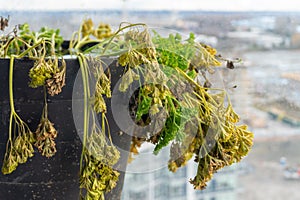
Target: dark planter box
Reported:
point(56, 177)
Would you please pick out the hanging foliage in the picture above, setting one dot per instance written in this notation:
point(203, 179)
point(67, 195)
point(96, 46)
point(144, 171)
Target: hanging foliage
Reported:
point(195, 120)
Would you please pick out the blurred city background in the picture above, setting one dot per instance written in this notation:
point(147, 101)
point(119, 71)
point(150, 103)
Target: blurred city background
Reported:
point(264, 88)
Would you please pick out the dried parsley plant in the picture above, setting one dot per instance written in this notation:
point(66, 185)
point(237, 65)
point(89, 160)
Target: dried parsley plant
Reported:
point(20, 143)
point(38, 46)
point(196, 119)
point(97, 175)
point(45, 133)
point(199, 120)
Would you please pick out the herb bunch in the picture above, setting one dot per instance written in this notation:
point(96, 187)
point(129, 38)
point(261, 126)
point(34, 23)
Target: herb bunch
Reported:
point(102, 84)
point(45, 133)
point(19, 146)
point(199, 121)
point(36, 46)
point(97, 175)
point(20, 142)
point(47, 72)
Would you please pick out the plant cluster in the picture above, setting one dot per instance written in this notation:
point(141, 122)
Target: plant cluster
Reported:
point(97, 175)
point(174, 99)
point(40, 47)
point(45, 134)
point(199, 120)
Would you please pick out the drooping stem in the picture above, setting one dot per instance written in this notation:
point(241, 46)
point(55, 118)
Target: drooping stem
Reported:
point(13, 115)
point(83, 69)
point(11, 72)
point(45, 111)
point(108, 128)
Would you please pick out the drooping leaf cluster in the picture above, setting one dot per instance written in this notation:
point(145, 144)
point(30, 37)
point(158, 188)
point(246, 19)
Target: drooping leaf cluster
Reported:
point(198, 121)
point(97, 175)
point(46, 133)
point(19, 146)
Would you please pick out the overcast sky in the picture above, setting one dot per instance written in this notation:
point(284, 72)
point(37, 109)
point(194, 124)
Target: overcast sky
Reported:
point(227, 5)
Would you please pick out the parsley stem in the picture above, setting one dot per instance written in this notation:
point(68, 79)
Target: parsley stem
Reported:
point(82, 65)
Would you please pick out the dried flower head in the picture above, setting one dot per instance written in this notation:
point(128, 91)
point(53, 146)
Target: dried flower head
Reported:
point(39, 73)
point(57, 81)
point(45, 135)
point(20, 149)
